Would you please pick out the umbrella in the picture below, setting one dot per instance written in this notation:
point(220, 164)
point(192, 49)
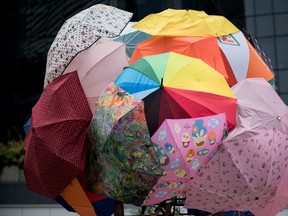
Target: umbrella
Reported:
point(242, 175)
point(131, 39)
point(122, 164)
point(178, 86)
point(173, 22)
point(278, 202)
point(79, 32)
point(56, 145)
point(70, 199)
point(182, 146)
point(75, 196)
point(204, 48)
point(259, 109)
point(242, 60)
point(94, 67)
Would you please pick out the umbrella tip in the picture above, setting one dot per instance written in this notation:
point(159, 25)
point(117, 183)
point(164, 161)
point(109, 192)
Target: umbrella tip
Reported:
point(279, 118)
point(161, 84)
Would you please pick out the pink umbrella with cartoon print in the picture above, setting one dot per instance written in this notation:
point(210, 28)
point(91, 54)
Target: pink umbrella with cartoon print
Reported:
point(243, 175)
point(182, 146)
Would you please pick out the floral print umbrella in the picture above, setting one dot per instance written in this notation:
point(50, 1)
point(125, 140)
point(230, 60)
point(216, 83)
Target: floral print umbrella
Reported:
point(122, 163)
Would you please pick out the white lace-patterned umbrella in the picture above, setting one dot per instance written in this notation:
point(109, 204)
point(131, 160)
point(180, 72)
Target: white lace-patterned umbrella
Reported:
point(79, 32)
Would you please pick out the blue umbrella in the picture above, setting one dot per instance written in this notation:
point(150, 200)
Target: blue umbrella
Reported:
point(27, 125)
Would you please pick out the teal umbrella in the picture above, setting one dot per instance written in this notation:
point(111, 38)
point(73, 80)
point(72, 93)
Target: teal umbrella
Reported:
point(132, 39)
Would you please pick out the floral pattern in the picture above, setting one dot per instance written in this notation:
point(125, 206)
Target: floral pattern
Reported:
point(122, 163)
point(79, 32)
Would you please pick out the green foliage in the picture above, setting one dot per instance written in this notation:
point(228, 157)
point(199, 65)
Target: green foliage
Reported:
point(12, 154)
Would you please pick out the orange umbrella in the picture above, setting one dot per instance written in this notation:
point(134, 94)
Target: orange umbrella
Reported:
point(75, 196)
point(204, 48)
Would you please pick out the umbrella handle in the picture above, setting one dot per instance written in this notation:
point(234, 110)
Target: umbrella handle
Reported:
point(119, 209)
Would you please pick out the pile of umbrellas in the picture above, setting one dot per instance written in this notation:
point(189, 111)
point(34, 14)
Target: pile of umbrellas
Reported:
point(178, 104)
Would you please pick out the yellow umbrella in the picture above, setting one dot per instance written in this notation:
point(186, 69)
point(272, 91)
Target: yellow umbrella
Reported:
point(172, 22)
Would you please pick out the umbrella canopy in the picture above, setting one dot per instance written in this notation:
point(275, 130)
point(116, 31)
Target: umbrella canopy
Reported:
point(122, 163)
point(56, 147)
point(242, 175)
point(173, 22)
point(69, 197)
point(278, 202)
point(242, 60)
point(182, 146)
point(259, 109)
point(204, 48)
point(178, 86)
point(79, 32)
point(131, 39)
point(94, 67)
point(75, 196)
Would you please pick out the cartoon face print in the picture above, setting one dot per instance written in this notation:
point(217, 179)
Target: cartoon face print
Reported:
point(161, 156)
point(212, 137)
point(162, 184)
point(199, 133)
point(177, 128)
point(169, 148)
point(213, 122)
point(164, 160)
point(185, 139)
point(162, 135)
point(161, 194)
point(174, 184)
point(190, 155)
point(195, 164)
point(180, 173)
point(174, 164)
point(202, 152)
point(199, 140)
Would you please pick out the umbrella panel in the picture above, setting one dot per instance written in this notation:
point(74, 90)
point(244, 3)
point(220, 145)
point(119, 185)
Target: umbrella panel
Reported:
point(94, 67)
